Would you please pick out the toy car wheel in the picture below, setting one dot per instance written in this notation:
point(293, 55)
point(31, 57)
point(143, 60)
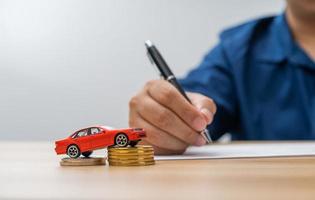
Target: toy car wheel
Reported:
point(73, 151)
point(133, 143)
point(121, 140)
point(87, 153)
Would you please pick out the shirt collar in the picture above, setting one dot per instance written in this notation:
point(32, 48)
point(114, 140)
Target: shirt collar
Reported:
point(280, 45)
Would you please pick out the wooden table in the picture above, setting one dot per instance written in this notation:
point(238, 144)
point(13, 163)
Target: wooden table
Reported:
point(30, 170)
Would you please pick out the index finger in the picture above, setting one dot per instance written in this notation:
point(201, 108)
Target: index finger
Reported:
point(167, 95)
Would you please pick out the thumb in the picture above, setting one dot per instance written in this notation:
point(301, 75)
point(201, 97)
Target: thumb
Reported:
point(204, 104)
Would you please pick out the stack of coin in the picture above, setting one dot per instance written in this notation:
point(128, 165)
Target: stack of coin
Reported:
point(140, 155)
point(82, 161)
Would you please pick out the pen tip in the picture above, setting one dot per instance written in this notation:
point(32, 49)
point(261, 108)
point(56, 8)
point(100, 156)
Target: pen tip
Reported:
point(148, 43)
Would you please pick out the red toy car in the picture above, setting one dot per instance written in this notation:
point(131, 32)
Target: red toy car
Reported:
point(97, 137)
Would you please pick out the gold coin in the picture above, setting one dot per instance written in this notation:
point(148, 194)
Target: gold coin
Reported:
point(131, 154)
point(136, 147)
point(120, 165)
point(130, 158)
point(137, 157)
point(132, 163)
point(129, 149)
point(82, 161)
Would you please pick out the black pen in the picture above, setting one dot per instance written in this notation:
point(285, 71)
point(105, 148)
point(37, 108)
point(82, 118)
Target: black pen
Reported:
point(167, 74)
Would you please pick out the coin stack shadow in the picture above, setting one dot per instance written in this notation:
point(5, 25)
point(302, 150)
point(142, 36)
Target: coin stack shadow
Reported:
point(140, 155)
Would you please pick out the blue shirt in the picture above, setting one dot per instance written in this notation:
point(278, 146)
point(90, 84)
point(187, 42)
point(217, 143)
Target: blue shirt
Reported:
point(262, 82)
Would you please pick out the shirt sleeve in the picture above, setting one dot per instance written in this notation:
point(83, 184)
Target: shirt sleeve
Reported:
point(214, 78)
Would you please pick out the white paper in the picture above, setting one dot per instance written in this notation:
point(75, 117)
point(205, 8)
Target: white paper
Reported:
point(250, 150)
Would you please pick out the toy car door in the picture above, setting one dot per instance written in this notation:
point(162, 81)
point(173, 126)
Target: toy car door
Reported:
point(82, 139)
point(96, 138)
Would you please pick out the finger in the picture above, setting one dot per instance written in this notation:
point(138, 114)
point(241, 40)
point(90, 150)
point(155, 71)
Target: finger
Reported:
point(167, 95)
point(156, 136)
point(168, 121)
point(204, 104)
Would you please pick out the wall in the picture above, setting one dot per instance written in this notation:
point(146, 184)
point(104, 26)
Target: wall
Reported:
point(75, 63)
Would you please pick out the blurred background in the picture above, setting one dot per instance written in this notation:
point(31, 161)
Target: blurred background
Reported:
point(67, 64)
